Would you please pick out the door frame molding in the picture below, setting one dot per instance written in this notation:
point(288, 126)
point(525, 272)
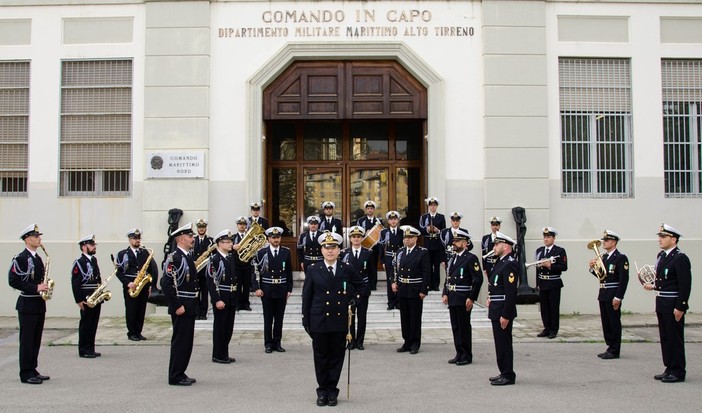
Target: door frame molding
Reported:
point(281, 59)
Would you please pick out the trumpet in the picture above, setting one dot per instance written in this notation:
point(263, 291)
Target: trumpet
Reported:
point(543, 261)
point(646, 274)
point(599, 268)
point(489, 254)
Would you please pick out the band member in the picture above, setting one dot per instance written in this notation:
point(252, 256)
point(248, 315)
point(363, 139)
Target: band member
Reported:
point(488, 242)
point(368, 222)
point(431, 225)
point(325, 319)
point(548, 281)
point(390, 243)
point(85, 278)
point(461, 289)
point(256, 215)
point(273, 283)
point(359, 258)
point(244, 270)
point(502, 306)
point(26, 274)
point(179, 284)
point(412, 278)
point(672, 285)
point(612, 290)
point(447, 235)
point(203, 242)
point(223, 283)
point(308, 249)
point(130, 261)
point(329, 222)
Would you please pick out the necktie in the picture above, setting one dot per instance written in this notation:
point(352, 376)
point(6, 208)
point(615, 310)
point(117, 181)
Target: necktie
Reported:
point(546, 251)
point(605, 256)
point(314, 235)
point(356, 253)
point(275, 253)
point(393, 232)
point(331, 270)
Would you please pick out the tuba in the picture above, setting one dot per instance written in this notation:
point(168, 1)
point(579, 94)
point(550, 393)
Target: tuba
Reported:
point(646, 274)
point(204, 258)
point(599, 268)
point(142, 277)
point(46, 295)
point(254, 240)
point(100, 295)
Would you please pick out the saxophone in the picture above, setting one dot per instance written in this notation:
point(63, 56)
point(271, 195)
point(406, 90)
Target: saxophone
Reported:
point(204, 258)
point(142, 276)
point(46, 295)
point(100, 295)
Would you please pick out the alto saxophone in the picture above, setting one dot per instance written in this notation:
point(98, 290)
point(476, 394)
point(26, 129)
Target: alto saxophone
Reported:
point(46, 295)
point(100, 295)
point(142, 277)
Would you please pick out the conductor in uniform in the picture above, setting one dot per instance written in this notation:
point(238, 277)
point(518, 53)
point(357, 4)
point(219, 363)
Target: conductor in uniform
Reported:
point(390, 243)
point(612, 290)
point(26, 274)
point(203, 242)
point(130, 261)
point(180, 286)
point(359, 258)
point(329, 221)
point(273, 283)
point(672, 285)
point(488, 242)
point(412, 278)
point(552, 263)
point(502, 307)
point(223, 283)
point(328, 292)
point(461, 288)
point(85, 278)
point(431, 225)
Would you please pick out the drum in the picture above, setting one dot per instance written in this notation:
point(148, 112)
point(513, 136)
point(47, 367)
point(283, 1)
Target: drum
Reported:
point(372, 236)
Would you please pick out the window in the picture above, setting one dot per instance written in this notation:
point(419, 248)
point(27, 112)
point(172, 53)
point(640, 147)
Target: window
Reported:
point(682, 121)
point(96, 128)
point(14, 127)
point(596, 137)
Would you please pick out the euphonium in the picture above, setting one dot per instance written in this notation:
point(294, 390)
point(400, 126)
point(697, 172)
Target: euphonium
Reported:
point(142, 277)
point(254, 240)
point(100, 295)
point(599, 268)
point(46, 295)
point(646, 274)
point(204, 259)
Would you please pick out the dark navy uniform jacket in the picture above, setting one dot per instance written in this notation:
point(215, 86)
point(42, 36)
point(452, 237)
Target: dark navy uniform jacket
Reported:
point(363, 265)
point(273, 275)
point(201, 245)
point(325, 298)
point(26, 272)
point(432, 242)
point(368, 223)
point(550, 279)
point(502, 288)
point(390, 243)
point(487, 243)
point(222, 279)
point(334, 226)
point(180, 282)
point(463, 279)
point(412, 272)
point(261, 221)
point(128, 265)
point(614, 285)
point(85, 277)
point(308, 246)
point(673, 280)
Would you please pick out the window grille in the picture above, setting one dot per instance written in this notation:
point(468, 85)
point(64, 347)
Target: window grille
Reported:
point(96, 128)
point(596, 136)
point(14, 128)
point(682, 121)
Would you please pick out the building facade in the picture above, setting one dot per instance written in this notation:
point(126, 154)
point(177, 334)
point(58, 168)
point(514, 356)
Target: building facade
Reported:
point(586, 114)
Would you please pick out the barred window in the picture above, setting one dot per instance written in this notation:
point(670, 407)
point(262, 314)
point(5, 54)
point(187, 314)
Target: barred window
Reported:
point(96, 128)
point(14, 127)
point(596, 138)
point(682, 121)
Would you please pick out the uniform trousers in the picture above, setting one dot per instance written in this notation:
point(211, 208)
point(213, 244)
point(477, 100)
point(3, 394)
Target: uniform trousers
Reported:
point(222, 329)
point(503, 349)
point(328, 349)
point(273, 313)
point(135, 311)
point(390, 273)
point(203, 304)
point(373, 273)
point(672, 334)
point(31, 328)
point(411, 322)
point(462, 334)
point(611, 326)
point(550, 303)
point(435, 257)
point(244, 275)
point(87, 328)
point(181, 346)
point(358, 332)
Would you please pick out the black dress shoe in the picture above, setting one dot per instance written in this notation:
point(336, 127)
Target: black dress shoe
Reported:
point(42, 377)
point(87, 356)
point(352, 345)
point(190, 379)
point(33, 380)
point(134, 338)
point(672, 379)
point(453, 360)
point(463, 362)
point(220, 361)
point(414, 351)
point(97, 354)
point(269, 350)
point(247, 308)
point(609, 356)
point(602, 354)
point(493, 378)
point(331, 401)
point(403, 349)
point(552, 335)
point(360, 347)
point(656, 377)
point(279, 349)
point(232, 359)
point(142, 338)
point(322, 401)
point(502, 381)
point(184, 382)
point(543, 333)
point(390, 307)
